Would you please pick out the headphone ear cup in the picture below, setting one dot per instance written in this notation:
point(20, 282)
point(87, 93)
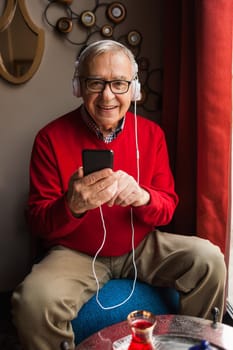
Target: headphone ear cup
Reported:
point(76, 87)
point(136, 90)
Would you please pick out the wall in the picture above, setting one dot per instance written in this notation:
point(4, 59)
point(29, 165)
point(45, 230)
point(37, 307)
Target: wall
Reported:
point(26, 108)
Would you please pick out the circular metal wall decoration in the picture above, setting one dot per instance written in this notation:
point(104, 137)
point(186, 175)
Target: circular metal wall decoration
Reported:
point(107, 30)
point(64, 25)
point(88, 18)
point(116, 12)
point(134, 38)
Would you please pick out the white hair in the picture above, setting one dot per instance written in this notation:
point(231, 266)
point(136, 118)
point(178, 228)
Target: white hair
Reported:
point(100, 47)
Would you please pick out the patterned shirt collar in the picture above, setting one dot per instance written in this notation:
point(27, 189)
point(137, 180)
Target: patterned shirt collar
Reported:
point(91, 124)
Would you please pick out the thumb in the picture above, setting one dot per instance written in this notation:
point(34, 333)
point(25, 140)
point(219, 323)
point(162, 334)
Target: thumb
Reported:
point(80, 172)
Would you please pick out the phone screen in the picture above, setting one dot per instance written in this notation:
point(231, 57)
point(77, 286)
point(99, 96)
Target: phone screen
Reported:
point(94, 160)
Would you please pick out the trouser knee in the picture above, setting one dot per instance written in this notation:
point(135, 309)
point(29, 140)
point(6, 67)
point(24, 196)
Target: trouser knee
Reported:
point(202, 261)
point(30, 300)
point(208, 259)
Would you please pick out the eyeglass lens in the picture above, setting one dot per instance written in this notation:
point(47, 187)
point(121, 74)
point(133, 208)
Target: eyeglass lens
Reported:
point(116, 86)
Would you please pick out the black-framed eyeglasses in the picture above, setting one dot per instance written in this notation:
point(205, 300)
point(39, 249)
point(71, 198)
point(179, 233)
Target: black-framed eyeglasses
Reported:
point(95, 85)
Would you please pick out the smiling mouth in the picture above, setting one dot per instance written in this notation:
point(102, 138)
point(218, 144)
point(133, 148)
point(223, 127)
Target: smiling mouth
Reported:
point(107, 108)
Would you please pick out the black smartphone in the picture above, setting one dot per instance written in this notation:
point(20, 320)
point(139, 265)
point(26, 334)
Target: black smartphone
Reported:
point(94, 160)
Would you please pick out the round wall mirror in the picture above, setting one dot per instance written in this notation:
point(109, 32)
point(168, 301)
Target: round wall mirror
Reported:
point(21, 42)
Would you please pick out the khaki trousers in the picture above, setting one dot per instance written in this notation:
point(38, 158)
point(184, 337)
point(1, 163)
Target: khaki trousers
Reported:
point(52, 294)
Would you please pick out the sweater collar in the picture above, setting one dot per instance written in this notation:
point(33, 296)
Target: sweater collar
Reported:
point(91, 124)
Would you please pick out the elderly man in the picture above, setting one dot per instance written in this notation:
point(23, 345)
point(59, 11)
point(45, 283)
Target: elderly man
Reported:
point(103, 225)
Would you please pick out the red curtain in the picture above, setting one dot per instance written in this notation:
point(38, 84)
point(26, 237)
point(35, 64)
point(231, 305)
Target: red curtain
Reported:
point(197, 109)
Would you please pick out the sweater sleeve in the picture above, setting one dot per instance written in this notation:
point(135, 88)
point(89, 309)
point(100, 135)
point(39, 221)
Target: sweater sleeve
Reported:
point(48, 213)
point(163, 198)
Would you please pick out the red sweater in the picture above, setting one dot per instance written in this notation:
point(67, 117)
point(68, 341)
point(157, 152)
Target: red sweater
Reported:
point(56, 155)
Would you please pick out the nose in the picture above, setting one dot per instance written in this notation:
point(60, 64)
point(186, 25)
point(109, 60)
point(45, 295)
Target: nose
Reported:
point(107, 90)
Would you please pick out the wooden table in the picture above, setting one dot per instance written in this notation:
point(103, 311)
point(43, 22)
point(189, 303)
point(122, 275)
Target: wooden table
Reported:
point(171, 332)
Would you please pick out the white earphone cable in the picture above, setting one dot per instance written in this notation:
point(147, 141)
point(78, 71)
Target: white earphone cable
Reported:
point(133, 234)
point(136, 141)
point(133, 259)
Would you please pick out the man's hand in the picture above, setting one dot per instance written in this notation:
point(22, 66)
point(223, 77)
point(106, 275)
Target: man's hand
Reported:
point(128, 192)
point(91, 191)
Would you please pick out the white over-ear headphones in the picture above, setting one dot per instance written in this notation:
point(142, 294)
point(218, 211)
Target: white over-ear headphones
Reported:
point(136, 86)
point(76, 82)
point(136, 90)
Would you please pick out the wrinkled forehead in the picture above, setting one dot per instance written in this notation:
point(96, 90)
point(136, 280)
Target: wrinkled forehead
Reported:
point(115, 63)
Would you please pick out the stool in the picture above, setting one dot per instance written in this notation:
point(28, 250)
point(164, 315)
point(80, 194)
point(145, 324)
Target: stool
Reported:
point(91, 318)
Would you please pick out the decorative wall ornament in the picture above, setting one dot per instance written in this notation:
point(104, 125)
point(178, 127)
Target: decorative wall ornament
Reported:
point(116, 12)
point(88, 23)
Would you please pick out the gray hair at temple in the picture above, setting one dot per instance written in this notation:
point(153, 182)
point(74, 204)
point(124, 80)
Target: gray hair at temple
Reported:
point(100, 47)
